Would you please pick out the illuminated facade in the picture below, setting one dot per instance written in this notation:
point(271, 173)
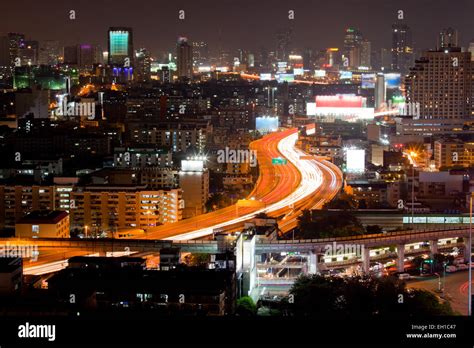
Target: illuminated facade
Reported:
point(120, 45)
point(108, 208)
point(441, 82)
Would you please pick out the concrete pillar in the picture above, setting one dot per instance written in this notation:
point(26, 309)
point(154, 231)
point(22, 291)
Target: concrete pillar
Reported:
point(366, 259)
point(313, 262)
point(467, 249)
point(401, 258)
point(433, 247)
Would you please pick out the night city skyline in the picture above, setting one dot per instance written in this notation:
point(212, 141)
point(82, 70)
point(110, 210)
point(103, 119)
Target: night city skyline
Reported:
point(157, 26)
point(236, 172)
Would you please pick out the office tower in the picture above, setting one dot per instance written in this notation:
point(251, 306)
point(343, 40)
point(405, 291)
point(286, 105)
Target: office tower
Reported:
point(448, 37)
point(120, 46)
point(402, 48)
point(332, 56)
point(142, 64)
point(353, 47)
point(251, 60)
point(441, 82)
point(70, 55)
point(308, 59)
point(28, 53)
point(184, 54)
point(49, 52)
point(365, 52)
point(241, 56)
point(15, 42)
point(194, 181)
point(283, 44)
point(385, 58)
point(85, 55)
point(200, 53)
point(356, 49)
point(98, 54)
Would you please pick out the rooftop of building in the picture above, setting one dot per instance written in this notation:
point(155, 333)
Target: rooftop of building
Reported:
point(43, 217)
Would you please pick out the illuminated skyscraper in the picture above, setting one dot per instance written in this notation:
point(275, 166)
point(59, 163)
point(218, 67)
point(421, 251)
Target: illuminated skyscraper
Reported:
point(143, 64)
point(402, 48)
point(120, 45)
point(353, 47)
point(441, 83)
point(184, 54)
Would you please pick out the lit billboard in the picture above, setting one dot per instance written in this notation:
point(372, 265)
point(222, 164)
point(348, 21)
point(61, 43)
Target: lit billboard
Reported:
point(298, 71)
point(340, 101)
point(286, 78)
point(310, 109)
point(266, 124)
point(319, 73)
point(192, 165)
point(368, 81)
point(345, 75)
point(355, 161)
point(392, 80)
point(265, 77)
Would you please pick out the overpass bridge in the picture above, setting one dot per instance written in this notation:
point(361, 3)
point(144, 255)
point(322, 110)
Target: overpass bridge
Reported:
point(252, 246)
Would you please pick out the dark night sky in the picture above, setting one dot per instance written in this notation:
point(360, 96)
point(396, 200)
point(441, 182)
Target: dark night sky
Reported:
point(235, 23)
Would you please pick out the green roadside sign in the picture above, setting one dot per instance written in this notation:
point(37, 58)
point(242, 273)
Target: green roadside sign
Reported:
point(279, 161)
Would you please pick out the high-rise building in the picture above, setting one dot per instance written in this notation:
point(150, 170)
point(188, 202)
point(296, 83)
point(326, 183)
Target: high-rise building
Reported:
point(49, 52)
point(352, 47)
point(184, 53)
point(283, 44)
point(200, 53)
point(402, 48)
point(448, 37)
point(28, 53)
point(385, 58)
point(70, 55)
point(441, 82)
point(120, 46)
point(365, 53)
point(85, 55)
point(194, 181)
point(142, 64)
point(308, 62)
point(16, 41)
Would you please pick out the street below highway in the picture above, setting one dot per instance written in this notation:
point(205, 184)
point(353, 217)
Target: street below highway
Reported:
point(455, 288)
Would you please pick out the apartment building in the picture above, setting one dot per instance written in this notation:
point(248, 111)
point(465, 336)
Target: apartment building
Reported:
point(105, 208)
